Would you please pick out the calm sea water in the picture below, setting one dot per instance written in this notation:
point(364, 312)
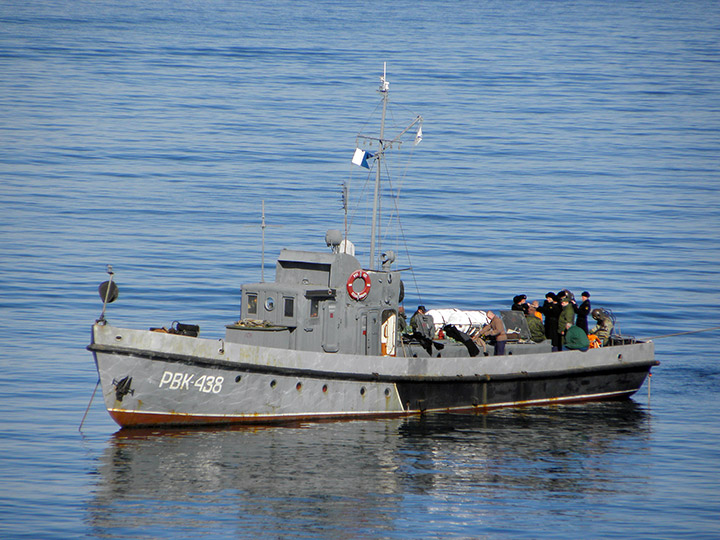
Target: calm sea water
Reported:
point(566, 144)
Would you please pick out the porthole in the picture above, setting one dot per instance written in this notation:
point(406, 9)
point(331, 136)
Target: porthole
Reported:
point(324, 387)
point(387, 392)
point(269, 303)
point(362, 391)
point(298, 386)
point(273, 383)
point(619, 356)
point(238, 378)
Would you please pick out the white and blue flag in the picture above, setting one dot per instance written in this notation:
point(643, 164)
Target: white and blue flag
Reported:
point(360, 158)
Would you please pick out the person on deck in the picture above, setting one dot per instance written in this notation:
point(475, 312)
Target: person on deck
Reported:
point(604, 325)
point(551, 309)
point(520, 303)
point(422, 323)
point(567, 317)
point(575, 338)
point(496, 329)
point(568, 293)
point(535, 304)
point(582, 311)
point(402, 320)
point(537, 330)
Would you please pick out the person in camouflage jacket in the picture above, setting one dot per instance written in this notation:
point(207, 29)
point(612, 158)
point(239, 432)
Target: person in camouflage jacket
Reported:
point(604, 325)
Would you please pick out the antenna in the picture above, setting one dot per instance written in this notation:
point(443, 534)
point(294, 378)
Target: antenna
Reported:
point(263, 226)
point(262, 246)
point(345, 202)
point(384, 87)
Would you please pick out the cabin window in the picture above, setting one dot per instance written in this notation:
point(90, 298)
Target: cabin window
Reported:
point(314, 307)
point(288, 307)
point(252, 303)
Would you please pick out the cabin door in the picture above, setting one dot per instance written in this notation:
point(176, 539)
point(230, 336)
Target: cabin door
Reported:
point(330, 328)
point(371, 332)
point(388, 333)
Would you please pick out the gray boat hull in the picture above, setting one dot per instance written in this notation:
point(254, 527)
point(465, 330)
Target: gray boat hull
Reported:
point(150, 378)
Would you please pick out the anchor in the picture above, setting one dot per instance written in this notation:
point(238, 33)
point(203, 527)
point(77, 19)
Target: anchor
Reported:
point(122, 388)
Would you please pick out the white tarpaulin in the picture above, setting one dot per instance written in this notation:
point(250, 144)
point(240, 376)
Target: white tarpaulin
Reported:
point(462, 320)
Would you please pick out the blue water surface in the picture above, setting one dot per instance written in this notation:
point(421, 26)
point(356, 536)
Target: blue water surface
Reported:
point(565, 145)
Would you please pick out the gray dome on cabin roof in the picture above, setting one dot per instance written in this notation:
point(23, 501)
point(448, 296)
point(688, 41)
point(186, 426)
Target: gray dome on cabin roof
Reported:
point(333, 237)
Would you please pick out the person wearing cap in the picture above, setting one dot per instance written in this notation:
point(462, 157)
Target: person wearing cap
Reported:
point(422, 323)
point(520, 303)
point(566, 292)
point(582, 311)
point(496, 329)
point(551, 309)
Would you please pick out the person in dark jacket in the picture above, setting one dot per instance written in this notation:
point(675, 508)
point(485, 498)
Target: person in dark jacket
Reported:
point(422, 323)
point(520, 303)
point(551, 310)
point(582, 311)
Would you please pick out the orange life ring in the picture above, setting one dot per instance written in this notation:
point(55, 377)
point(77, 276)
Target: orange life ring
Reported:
point(358, 274)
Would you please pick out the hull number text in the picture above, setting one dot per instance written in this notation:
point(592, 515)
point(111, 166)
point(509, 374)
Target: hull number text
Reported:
point(187, 381)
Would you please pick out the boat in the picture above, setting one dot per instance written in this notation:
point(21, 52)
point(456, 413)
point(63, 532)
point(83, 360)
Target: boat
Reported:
point(325, 340)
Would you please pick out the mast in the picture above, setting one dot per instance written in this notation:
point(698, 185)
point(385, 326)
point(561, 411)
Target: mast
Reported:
point(360, 157)
point(384, 87)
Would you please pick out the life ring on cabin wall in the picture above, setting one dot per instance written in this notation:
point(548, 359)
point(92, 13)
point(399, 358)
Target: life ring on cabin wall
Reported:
point(358, 295)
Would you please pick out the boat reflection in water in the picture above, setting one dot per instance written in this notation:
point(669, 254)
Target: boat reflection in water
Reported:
point(340, 480)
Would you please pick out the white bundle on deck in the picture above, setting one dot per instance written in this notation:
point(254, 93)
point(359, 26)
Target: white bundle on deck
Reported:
point(462, 320)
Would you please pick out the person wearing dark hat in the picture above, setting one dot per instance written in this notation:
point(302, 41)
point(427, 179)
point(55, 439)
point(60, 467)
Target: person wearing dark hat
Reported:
point(551, 308)
point(566, 292)
point(582, 311)
point(520, 303)
point(422, 323)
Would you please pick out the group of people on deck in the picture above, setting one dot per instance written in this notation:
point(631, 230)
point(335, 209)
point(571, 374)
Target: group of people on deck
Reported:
point(565, 322)
point(559, 319)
